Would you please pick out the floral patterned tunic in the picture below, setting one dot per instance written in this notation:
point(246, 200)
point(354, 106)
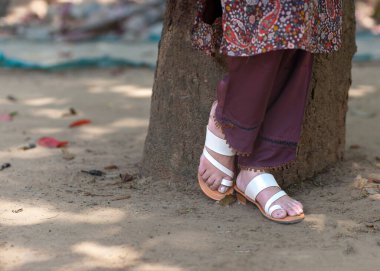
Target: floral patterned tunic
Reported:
point(249, 27)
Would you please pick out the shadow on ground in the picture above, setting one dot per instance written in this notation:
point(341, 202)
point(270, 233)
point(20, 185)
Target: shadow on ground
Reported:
point(54, 217)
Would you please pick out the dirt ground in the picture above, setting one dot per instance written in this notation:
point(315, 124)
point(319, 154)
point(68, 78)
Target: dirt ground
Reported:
point(55, 217)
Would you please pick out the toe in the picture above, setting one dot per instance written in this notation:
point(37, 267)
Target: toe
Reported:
point(297, 208)
point(290, 211)
point(279, 214)
point(222, 189)
point(216, 184)
point(294, 206)
point(210, 181)
point(206, 175)
point(299, 204)
point(201, 170)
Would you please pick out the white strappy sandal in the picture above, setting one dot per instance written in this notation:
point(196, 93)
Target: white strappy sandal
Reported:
point(258, 184)
point(220, 146)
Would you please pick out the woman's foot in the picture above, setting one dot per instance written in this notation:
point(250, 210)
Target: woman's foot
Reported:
point(290, 206)
point(209, 173)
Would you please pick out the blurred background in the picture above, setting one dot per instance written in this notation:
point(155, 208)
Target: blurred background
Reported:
point(90, 63)
point(65, 33)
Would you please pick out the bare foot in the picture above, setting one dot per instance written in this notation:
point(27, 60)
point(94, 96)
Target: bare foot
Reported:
point(290, 206)
point(210, 174)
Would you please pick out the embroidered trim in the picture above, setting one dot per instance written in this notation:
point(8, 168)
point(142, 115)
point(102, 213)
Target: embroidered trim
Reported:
point(222, 126)
point(284, 166)
point(280, 142)
point(233, 124)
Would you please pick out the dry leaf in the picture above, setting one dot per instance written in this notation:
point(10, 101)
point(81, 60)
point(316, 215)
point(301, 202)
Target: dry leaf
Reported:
point(79, 123)
point(12, 98)
point(354, 146)
point(94, 172)
point(28, 147)
point(121, 198)
point(126, 177)
point(72, 112)
point(227, 200)
point(4, 166)
point(17, 211)
point(50, 142)
point(111, 167)
point(374, 180)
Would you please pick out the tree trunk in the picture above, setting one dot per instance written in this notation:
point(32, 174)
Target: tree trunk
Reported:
point(184, 89)
point(4, 4)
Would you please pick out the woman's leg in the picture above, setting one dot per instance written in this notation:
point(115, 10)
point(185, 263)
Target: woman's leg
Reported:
point(235, 90)
point(209, 173)
point(280, 131)
point(261, 110)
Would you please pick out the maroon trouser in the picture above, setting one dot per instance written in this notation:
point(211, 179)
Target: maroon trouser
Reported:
point(261, 104)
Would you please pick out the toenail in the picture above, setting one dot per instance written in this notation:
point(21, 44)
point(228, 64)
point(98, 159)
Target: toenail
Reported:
point(222, 189)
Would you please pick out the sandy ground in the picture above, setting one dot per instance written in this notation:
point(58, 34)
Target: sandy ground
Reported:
point(55, 217)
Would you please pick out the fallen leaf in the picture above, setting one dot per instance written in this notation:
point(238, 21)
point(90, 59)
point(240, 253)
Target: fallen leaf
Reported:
point(121, 198)
point(4, 166)
point(126, 177)
point(5, 118)
point(227, 200)
point(374, 180)
point(368, 225)
point(94, 172)
point(111, 167)
point(72, 112)
point(28, 147)
point(17, 211)
point(79, 123)
point(12, 98)
point(67, 155)
point(50, 142)
point(354, 146)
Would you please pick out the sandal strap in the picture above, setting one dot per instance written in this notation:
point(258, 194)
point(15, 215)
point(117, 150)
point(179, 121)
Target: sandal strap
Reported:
point(227, 183)
point(272, 199)
point(259, 183)
point(217, 164)
point(217, 144)
point(274, 208)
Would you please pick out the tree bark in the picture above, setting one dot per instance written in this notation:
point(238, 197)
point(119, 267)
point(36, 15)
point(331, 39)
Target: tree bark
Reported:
point(184, 89)
point(4, 4)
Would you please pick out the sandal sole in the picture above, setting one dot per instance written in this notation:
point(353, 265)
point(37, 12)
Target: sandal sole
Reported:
point(242, 198)
point(215, 195)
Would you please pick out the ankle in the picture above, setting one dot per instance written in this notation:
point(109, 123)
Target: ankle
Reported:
point(244, 178)
point(215, 128)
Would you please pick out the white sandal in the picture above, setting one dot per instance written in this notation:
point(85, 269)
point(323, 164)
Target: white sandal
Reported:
point(220, 146)
point(258, 184)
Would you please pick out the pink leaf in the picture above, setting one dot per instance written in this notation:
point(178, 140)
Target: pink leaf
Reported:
point(50, 142)
point(79, 123)
point(6, 118)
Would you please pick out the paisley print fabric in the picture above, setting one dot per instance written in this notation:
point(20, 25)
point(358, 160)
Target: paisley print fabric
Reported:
point(249, 27)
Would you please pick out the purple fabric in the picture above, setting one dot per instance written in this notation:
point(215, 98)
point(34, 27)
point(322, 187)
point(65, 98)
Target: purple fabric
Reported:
point(261, 104)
